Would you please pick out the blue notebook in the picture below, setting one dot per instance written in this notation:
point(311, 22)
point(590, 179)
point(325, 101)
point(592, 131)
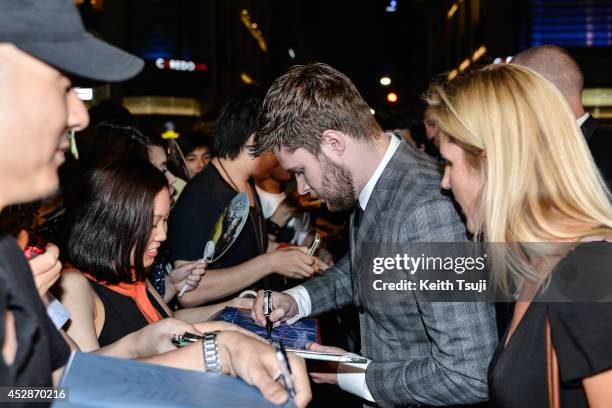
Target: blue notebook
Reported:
point(293, 336)
point(99, 381)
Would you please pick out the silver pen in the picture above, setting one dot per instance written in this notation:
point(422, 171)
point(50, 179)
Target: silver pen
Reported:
point(283, 361)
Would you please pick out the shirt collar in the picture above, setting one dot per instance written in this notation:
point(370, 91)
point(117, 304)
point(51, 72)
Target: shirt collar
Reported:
point(582, 119)
point(364, 195)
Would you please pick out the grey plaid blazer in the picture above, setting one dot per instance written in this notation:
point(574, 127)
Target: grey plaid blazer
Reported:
point(432, 353)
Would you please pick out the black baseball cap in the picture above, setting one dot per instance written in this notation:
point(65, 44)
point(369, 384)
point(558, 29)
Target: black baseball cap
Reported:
point(52, 31)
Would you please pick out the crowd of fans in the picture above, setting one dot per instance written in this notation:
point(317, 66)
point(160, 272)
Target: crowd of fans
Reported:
point(503, 154)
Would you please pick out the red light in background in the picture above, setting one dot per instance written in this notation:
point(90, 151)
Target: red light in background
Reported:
point(392, 97)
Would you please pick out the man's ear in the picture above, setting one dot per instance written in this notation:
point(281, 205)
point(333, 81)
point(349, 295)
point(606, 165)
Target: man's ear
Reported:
point(333, 142)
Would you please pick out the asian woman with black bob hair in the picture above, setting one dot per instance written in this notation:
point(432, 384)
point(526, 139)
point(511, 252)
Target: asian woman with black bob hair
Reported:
point(113, 234)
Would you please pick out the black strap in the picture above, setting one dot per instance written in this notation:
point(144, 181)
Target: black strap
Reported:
point(261, 231)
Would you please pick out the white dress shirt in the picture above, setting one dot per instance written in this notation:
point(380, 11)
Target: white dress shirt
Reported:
point(582, 119)
point(351, 377)
point(269, 201)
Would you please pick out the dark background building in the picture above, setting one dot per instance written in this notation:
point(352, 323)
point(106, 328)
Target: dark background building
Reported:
point(208, 48)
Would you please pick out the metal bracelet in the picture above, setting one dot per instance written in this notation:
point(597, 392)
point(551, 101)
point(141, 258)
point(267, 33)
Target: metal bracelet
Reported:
point(210, 349)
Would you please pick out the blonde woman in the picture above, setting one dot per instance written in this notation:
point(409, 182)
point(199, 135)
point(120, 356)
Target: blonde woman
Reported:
point(522, 173)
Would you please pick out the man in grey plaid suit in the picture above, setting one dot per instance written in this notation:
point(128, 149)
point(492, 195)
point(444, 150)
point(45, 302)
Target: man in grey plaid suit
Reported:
point(419, 353)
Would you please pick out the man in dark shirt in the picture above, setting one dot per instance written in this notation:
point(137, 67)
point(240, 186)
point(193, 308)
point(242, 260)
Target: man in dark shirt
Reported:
point(599, 139)
point(41, 349)
point(560, 68)
point(208, 190)
point(38, 108)
point(247, 264)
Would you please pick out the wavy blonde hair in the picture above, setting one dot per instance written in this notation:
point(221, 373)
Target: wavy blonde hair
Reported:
point(539, 181)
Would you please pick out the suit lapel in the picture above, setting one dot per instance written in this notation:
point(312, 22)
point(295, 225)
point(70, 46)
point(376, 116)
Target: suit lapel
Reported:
point(588, 128)
point(379, 200)
point(353, 242)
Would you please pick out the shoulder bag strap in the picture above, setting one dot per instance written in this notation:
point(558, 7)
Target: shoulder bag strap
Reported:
point(552, 371)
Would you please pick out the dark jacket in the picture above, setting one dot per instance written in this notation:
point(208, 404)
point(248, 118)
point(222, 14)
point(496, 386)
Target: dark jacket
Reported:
point(432, 353)
point(599, 139)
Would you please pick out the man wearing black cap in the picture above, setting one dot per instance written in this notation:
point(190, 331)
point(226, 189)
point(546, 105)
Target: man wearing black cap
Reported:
point(43, 47)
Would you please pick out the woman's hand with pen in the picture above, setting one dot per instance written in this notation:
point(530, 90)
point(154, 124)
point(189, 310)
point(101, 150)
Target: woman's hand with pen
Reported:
point(186, 276)
point(293, 262)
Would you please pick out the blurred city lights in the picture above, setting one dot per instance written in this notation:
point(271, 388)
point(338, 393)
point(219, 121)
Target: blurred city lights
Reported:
point(95, 4)
point(291, 53)
point(385, 81)
point(179, 65)
point(453, 9)
point(502, 60)
point(245, 17)
point(392, 97)
point(479, 53)
point(246, 78)
point(392, 7)
point(372, 111)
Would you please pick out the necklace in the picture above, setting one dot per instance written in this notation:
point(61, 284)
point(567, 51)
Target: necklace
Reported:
point(258, 227)
point(231, 180)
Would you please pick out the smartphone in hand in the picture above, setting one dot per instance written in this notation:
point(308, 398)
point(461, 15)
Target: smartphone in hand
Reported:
point(315, 244)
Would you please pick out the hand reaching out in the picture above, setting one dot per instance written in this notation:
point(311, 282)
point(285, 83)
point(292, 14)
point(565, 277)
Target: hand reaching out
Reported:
point(46, 267)
point(325, 372)
point(188, 273)
point(294, 263)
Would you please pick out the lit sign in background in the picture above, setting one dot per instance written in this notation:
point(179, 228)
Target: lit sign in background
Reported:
point(179, 65)
point(571, 23)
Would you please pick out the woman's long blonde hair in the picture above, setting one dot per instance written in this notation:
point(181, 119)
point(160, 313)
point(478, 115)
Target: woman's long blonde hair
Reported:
point(539, 178)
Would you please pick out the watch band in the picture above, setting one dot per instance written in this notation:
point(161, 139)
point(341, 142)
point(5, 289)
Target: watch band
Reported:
point(210, 349)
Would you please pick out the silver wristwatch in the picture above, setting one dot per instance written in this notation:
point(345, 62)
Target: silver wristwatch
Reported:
point(210, 348)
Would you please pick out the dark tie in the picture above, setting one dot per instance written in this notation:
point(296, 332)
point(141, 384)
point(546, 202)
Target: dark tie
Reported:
point(357, 218)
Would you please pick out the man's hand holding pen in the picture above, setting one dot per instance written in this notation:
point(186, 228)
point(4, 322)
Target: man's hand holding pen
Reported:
point(267, 311)
point(279, 349)
point(284, 307)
